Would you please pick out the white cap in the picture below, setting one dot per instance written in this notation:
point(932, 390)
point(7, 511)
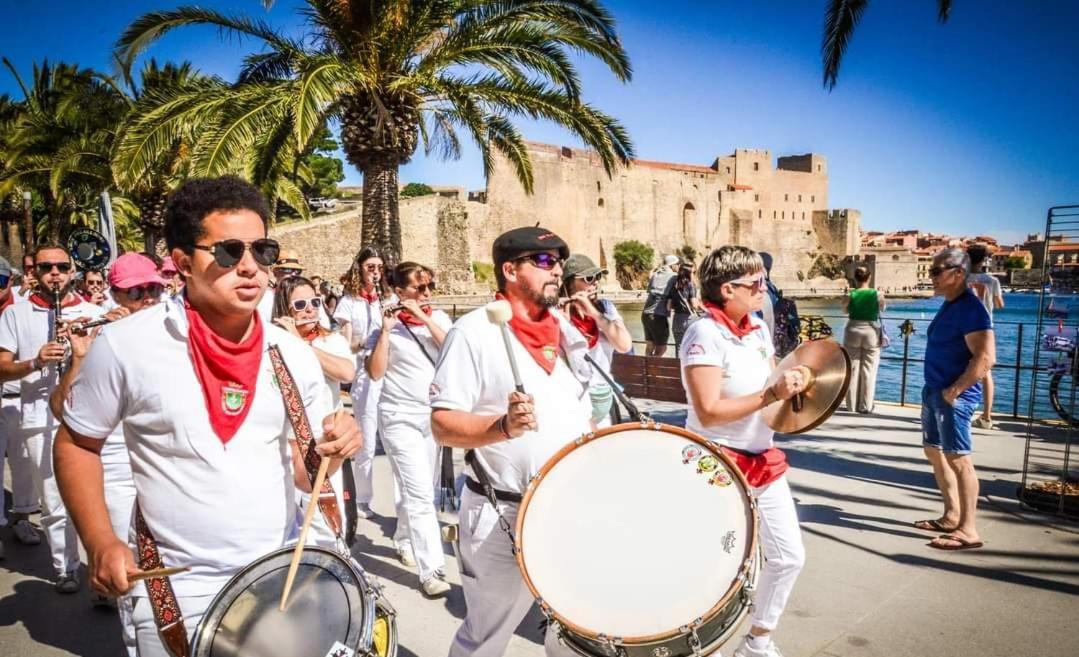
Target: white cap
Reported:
point(670, 260)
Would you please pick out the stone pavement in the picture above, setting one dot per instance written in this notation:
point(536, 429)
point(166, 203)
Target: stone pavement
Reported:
point(870, 588)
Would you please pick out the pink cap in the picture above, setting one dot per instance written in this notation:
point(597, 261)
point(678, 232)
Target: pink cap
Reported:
point(132, 270)
point(168, 266)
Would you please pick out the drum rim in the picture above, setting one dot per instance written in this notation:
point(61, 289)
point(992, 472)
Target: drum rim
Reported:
point(749, 553)
point(369, 601)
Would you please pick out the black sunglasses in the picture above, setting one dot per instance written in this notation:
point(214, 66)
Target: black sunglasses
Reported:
point(46, 267)
point(541, 260)
point(228, 252)
point(301, 304)
point(938, 270)
point(153, 290)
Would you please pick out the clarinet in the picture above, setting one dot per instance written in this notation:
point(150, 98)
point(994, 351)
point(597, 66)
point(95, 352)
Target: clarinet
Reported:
point(57, 324)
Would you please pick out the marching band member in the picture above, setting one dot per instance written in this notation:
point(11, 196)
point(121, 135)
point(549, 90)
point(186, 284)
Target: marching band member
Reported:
point(296, 308)
point(475, 407)
point(31, 352)
point(28, 285)
point(726, 361)
point(193, 383)
point(599, 322)
point(92, 287)
point(174, 282)
point(359, 313)
point(403, 352)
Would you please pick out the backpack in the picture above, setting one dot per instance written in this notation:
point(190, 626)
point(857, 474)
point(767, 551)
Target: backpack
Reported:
point(787, 325)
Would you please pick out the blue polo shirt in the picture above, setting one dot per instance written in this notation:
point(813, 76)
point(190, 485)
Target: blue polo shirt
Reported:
point(946, 352)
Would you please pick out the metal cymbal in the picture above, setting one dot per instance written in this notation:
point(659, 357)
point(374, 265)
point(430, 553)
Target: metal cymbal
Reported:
point(829, 366)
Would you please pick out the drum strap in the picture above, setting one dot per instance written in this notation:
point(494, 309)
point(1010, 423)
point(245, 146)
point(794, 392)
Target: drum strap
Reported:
point(167, 615)
point(492, 494)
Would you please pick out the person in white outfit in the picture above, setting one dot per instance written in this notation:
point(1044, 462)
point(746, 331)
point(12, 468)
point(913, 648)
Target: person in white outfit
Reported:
point(31, 353)
point(296, 309)
point(402, 354)
point(727, 359)
point(987, 288)
point(510, 434)
point(359, 313)
point(193, 384)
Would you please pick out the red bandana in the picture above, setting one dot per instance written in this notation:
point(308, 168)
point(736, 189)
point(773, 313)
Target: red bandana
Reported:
point(540, 337)
point(42, 302)
point(759, 469)
point(312, 334)
point(227, 371)
point(587, 325)
point(740, 330)
point(369, 297)
point(409, 320)
point(7, 302)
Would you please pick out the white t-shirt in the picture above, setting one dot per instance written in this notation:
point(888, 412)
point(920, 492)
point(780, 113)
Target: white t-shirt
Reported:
point(211, 506)
point(473, 375)
point(986, 287)
point(24, 329)
point(363, 317)
point(746, 363)
point(334, 344)
point(407, 385)
point(603, 352)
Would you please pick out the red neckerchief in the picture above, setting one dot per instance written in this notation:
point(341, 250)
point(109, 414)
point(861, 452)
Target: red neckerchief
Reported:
point(539, 336)
point(313, 334)
point(410, 320)
point(41, 302)
point(369, 297)
point(759, 469)
point(740, 330)
point(587, 325)
point(227, 371)
point(7, 302)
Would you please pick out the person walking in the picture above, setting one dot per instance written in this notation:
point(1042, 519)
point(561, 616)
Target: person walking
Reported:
point(986, 287)
point(862, 339)
point(683, 302)
point(656, 317)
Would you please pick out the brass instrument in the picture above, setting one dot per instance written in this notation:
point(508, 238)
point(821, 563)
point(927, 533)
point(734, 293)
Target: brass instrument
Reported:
point(827, 366)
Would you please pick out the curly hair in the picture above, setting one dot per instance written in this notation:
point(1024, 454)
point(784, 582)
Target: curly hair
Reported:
point(197, 198)
point(353, 278)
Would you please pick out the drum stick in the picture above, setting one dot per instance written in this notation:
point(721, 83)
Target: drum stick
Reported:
point(499, 312)
point(308, 516)
point(157, 572)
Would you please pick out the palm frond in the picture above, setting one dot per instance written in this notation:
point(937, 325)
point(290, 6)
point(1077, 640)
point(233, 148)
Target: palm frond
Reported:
point(840, 20)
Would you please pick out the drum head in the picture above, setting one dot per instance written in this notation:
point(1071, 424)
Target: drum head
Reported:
point(328, 609)
point(636, 532)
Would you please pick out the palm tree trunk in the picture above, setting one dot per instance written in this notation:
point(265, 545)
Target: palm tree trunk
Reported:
point(381, 220)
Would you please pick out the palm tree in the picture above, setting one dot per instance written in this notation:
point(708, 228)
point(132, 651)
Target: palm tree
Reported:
point(394, 73)
point(840, 20)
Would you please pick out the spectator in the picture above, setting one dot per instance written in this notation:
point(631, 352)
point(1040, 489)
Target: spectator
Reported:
point(959, 351)
point(862, 339)
point(986, 287)
point(655, 317)
point(682, 301)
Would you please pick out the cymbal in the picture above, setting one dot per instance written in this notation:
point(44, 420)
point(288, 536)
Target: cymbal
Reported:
point(829, 366)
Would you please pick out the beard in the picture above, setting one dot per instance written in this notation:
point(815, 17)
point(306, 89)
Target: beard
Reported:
point(539, 295)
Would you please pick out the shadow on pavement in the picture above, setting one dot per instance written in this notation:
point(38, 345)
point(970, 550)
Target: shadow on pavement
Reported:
point(66, 622)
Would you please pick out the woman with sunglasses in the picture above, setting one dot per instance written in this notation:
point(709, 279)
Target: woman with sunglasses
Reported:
point(403, 351)
point(727, 359)
point(359, 313)
point(296, 309)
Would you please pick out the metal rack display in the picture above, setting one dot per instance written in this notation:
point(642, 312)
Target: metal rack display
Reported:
point(1050, 479)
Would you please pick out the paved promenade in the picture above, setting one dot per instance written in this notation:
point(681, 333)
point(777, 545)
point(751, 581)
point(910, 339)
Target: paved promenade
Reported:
point(871, 587)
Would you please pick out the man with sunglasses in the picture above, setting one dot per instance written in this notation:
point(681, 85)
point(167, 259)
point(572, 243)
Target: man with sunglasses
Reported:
point(509, 434)
point(28, 284)
point(30, 353)
point(960, 350)
point(192, 380)
point(92, 288)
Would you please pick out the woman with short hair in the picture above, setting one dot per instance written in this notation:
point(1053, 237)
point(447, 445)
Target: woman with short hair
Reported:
point(862, 339)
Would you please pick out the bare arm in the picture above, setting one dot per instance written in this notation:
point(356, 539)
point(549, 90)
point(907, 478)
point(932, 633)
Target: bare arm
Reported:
point(378, 361)
point(983, 348)
point(703, 383)
point(881, 303)
point(13, 370)
point(617, 333)
point(468, 430)
point(339, 369)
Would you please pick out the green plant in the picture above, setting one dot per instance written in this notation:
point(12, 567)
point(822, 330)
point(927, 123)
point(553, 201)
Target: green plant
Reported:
point(687, 253)
point(1016, 262)
point(632, 263)
point(412, 190)
point(827, 265)
point(484, 273)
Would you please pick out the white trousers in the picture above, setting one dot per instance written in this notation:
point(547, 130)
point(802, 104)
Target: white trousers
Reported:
point(495, 593)
point(365, 395)
point(413, 455)
point(59, 530)
point(148, 640)
point(120, 501)
point(784, 554)
point(12, 444)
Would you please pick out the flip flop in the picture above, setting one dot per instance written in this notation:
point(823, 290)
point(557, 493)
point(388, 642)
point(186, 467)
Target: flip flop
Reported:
point(934, 525)
point(963, 544)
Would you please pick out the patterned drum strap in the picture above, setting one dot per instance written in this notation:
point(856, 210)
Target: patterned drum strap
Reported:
point(167, 615)
point(305, 439)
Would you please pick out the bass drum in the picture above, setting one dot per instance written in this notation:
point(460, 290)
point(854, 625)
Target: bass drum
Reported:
point(332, 611)
point(640, 541)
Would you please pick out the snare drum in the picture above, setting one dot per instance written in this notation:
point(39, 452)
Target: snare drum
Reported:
point(332, 611)
point(640, 541)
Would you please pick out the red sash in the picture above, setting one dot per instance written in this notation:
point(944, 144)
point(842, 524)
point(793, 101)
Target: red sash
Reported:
point(759, 469)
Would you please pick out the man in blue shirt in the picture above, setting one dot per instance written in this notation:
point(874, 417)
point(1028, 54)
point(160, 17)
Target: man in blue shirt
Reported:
point(959, 353)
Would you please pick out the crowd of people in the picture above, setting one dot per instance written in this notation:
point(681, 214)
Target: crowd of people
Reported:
point(160, 412)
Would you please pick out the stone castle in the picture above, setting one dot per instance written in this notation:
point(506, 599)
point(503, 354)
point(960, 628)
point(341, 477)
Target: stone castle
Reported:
point(742, 198)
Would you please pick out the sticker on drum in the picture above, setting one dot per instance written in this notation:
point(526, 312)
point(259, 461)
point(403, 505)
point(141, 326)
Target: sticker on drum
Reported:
point(691, 453)
point(721, 478)
point(707, 464)
point(340, 650)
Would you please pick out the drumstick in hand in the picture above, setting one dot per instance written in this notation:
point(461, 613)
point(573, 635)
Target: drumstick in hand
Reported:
point(499, 312)
point(156, 572)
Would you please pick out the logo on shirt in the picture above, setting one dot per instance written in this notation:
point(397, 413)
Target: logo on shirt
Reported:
point(549, 352)
point(233, 399)
point(695, 350)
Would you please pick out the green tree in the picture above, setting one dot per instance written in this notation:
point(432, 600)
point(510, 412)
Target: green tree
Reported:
point(413, 190)
point(632, 263)
point(1016, 262)
point(326, 170)
point(394, 73)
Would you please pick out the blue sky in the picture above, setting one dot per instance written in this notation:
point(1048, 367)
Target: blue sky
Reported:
point(968, 127)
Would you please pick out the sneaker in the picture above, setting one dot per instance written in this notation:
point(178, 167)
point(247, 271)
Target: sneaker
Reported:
point(25, 533)
point(102, 601)
point(745, 649)
point(68, 583)
point(981, 423)
point(404, 555)
point(435, 585)
point(363, 510)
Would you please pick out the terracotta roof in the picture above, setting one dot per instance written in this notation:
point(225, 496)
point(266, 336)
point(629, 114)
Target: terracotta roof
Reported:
point(670, 166)
point(739, 187)
point(1064, 247)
